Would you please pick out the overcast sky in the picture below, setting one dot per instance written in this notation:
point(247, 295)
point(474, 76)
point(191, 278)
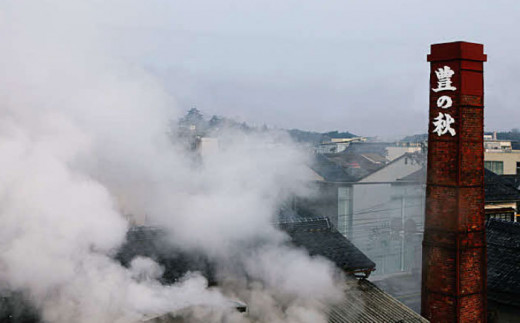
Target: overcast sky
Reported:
point(323, 65)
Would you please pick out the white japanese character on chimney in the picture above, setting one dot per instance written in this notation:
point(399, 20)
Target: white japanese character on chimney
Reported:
point(444, 79)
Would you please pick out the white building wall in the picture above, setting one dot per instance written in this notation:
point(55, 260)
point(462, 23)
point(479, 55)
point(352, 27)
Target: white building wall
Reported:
point(399, 168)
point(396, 152)
point(509, 160)
point(381, 218)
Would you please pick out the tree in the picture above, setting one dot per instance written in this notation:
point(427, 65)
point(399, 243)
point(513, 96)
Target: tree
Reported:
point(193, 118)
point(215, 121)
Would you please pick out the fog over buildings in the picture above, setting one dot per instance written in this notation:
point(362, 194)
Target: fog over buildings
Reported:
point(84, 146)
point(89, 89)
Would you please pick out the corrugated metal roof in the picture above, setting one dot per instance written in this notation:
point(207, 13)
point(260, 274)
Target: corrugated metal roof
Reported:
point(364, 302)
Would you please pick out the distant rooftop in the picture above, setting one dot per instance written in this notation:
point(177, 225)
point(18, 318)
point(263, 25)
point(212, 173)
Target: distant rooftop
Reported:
point(497, 188)
point(348, 166)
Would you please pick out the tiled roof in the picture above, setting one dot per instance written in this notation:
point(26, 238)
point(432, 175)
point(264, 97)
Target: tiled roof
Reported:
point(151, 242)
point(346, 166)
point(330, 171)
point(362, 302)
point(365, 302)
point(320, 238)
point(499, 189)
point(512, 180)
point(503, 249)
point(356, 165)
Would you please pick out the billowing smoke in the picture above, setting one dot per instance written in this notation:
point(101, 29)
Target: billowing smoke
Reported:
point(85, 151)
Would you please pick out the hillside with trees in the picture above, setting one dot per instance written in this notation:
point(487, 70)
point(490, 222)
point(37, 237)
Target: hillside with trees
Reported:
point(195, 123)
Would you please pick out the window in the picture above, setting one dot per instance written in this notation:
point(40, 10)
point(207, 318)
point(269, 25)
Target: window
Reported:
point(517, 168)
point(345, 211)
point(507, 216)
point(496, 167)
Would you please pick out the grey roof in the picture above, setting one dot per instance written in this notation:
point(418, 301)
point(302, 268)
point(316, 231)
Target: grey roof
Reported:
point(364, 302)
point(319, 237)
point(503, 249)
point(512, 180)
point(497, 188)
point(330, 171)
point(152, 242)
point(16, 308)
point(346, 166)
point(416, 177)
point(369, 147)
point(350, 166)
point(357, 165)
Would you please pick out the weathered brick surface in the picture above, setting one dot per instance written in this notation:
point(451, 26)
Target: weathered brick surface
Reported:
point(441, 201)
point(471, 157)
point(467, 312)
point(444, 261)
point(440, 308)
point(470, 122)
point(442, 170)
point(454, 254)
point(471, 209)
point(471, 262)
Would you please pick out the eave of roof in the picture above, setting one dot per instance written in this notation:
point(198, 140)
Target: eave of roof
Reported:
point(318, 237)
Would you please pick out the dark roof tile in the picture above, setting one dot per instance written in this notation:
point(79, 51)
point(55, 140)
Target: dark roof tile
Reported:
point(503, 249)
point(320, 238)
point(498, 188)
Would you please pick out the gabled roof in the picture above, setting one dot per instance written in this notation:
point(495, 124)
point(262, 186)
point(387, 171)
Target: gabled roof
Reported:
point(390, 172)
point(319, 238)
point(314, 234)
point(375, 158)
point(330, 171)
point(498, 189)
point(358, 165)
point(416, 177)
point(355, 167)
point(503, 249)
point(512, 180)
point(347, 166)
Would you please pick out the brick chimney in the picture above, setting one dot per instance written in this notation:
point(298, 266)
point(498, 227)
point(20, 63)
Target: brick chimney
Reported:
point(454, 245)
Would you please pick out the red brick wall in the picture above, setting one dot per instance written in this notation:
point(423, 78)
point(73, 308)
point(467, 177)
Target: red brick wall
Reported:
point(454, 254)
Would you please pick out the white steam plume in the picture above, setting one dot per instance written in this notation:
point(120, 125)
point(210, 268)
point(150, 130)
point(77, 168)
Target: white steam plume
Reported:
point(83, 140)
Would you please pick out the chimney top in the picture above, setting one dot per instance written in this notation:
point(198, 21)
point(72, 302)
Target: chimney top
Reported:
point(457, 50)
